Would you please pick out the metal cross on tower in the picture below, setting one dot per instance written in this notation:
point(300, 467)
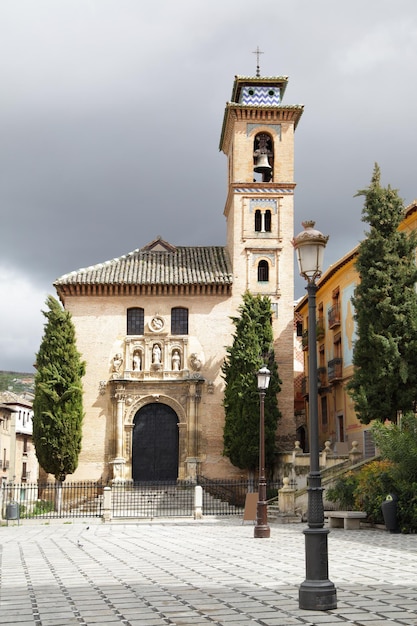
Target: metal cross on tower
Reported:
point(257, 52)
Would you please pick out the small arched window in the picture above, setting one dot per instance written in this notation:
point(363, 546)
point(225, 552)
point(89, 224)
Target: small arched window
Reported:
point(263, 271)
point(268, 221)
point(179, 321)
point(135, 321)
point(263, 221)
point(258, 221)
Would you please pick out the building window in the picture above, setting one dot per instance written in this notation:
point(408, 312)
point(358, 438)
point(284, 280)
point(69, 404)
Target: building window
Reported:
point(262, 221)
point(267, 217)
point(135, 321)
point(340, 429)
point(263, 271)
point(334, 311)
point(337, 346)
point(179, 321)
point(258, 221)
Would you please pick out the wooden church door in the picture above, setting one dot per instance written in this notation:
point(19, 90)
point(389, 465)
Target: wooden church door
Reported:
point(155, 444)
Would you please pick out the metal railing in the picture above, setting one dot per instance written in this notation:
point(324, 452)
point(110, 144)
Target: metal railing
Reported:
point(128, 499)
point(54, 500)
point(152, 499)
point(335, 369)
point(333, 316)
point(227, 497)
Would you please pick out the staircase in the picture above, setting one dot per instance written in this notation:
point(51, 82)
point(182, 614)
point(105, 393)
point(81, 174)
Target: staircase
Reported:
point(275, 516)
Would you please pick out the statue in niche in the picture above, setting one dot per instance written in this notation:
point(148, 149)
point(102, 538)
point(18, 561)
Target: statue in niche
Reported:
point(117, 362)
point(156, 354)
point(176, 361)
point(137, 363)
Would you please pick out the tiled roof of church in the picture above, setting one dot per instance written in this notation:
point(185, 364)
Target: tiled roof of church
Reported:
point(158, 263)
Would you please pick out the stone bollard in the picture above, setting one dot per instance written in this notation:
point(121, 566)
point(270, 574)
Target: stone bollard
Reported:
point(286, 498)
point(297, 448)
point(198, 502)
point(326, 453)
point(355, 455)
point(107, 504)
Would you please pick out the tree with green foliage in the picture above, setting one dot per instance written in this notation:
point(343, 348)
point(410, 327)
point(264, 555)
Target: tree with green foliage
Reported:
point(384, 381)
point(58, 406)
point(252, 348)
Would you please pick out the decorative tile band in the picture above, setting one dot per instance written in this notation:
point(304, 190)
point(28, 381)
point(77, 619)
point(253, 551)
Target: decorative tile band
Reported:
point(263, 190)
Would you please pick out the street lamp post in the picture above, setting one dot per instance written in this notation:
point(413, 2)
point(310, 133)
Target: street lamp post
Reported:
point(262, 529)
point(317, 592)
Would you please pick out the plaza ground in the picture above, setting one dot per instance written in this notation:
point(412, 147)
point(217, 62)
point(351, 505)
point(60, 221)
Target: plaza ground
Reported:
point(195, 573)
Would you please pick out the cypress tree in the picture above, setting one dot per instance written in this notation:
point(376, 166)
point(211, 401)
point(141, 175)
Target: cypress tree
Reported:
point(57, 406)
point(252, 348)
point(384, 381)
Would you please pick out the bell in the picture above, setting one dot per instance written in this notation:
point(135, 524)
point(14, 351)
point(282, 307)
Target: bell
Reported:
point(262, 164)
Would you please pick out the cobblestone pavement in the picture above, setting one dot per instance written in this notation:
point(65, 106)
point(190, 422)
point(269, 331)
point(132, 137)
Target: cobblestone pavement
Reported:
point(209, 572)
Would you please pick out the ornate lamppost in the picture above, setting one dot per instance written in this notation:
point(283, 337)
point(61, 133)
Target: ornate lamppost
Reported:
point(262, 529)
point(317, 592)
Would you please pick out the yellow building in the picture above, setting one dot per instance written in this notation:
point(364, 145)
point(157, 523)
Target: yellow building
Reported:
point(153, 325)
point(335, 340)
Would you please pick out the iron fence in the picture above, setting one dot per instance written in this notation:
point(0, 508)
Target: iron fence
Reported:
point(53, 500)
point(152, 499)
point(224, 497)
point(127, 499)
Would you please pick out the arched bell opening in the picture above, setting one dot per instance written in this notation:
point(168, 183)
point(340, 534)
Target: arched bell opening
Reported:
point(263, 158)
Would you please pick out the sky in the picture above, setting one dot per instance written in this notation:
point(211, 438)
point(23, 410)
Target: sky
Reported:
point(110, 120)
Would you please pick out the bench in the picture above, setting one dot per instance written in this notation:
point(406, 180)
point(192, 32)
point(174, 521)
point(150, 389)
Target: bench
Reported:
point(349, 520)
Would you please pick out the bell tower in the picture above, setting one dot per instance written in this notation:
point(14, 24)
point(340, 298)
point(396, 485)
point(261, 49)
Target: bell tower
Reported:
point(258, 139)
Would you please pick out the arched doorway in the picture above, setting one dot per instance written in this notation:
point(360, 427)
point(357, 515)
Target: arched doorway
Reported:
point(155, 444)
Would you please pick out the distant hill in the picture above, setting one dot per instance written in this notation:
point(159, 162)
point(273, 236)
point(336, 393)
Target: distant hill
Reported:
point(18, 382)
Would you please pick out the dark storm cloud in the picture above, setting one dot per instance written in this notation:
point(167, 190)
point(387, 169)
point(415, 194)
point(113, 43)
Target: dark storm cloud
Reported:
point(111, 115)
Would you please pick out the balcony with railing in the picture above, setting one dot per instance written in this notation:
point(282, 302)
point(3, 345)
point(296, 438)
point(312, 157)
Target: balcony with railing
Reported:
point(304, 340)
point(322, 378)
point(335, 370)
point(333, 316)
point(320, 334)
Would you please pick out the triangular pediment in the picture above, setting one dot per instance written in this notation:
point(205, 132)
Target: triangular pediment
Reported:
point(159, 245)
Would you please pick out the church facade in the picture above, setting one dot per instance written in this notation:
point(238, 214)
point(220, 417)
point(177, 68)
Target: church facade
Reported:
point(153, 325)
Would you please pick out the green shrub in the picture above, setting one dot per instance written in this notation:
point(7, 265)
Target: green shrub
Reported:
point(367, 489)
point(407, 506)
point(375, 482)
point(42, 506)
point(398, 443)
point(343, 491)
